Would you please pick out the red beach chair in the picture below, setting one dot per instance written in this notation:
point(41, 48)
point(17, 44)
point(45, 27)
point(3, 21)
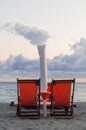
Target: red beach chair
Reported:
point(62, 97)
point(28, 98)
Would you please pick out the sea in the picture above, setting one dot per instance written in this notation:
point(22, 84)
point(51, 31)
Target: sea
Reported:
point(8, 92)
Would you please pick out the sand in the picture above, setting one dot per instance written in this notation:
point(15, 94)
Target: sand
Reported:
point(9, 120)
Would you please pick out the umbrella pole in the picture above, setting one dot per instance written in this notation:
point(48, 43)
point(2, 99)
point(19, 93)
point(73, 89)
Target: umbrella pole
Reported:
point(45, 108)
point(43, 74)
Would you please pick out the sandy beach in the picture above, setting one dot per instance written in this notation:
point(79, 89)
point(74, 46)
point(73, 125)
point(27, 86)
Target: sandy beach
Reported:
point(9, 120)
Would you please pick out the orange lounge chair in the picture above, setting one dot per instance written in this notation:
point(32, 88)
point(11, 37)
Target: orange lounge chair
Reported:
point(62, 97)
point(28, 98)
point(15, 103)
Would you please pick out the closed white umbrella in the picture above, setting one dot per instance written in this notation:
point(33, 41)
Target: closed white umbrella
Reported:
point(43, 67)
point(43, 75)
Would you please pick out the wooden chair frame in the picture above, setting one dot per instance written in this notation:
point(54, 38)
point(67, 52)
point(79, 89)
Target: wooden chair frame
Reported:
point(28, 108)
point(62, 108)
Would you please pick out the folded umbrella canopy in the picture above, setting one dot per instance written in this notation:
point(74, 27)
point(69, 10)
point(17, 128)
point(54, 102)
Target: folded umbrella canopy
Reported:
point(43, 67)
point(43, 75)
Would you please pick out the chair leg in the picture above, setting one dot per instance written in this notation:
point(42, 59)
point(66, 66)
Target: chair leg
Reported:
point(17, 111)
point(66, 110)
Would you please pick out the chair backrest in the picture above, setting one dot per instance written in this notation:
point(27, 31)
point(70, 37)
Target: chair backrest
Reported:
point(27, 91)
point(49, 87)
point(63, 91)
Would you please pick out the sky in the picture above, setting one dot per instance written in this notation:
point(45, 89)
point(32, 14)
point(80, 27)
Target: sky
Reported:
point(60, 24)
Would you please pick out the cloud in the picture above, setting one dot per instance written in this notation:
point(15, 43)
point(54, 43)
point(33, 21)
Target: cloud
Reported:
point(35, 35)
point(76, 62)
point(73, 65)
point(67, 64)
point(19, 66)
